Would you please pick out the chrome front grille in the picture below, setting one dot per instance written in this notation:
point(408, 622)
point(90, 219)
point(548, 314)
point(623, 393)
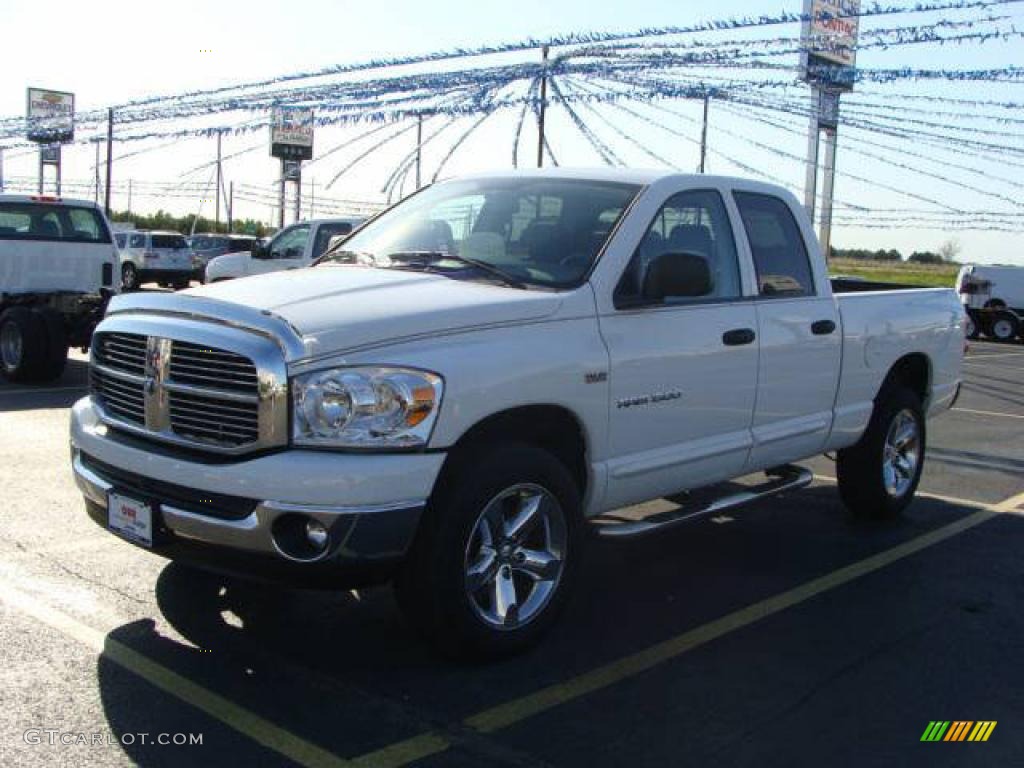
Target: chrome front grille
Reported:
point(205, 367)
point(167, 382)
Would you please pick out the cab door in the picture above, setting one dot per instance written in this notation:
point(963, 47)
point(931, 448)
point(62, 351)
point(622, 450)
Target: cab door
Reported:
point(683, 366)
point(285, 251)
point(801, 339)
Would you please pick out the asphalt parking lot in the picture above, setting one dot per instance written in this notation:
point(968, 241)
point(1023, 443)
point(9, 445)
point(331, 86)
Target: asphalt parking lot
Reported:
point(785, 633)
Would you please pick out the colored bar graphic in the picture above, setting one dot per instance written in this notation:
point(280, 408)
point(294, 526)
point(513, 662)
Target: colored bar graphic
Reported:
point(958, 730)
point(935, 730)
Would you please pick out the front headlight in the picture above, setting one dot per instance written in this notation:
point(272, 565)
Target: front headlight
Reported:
point(365, 407)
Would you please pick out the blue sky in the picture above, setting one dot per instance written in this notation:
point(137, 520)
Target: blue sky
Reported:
point(128, 50)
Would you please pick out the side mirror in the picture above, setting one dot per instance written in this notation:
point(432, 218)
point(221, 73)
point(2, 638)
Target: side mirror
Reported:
point(259, 250)
point(672, 275)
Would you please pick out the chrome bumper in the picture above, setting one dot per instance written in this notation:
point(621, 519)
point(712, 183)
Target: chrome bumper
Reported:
point(357, 535)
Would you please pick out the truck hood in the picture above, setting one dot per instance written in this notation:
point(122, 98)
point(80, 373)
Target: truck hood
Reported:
point(341, 308)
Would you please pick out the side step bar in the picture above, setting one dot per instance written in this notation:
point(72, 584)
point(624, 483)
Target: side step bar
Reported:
point(781, 479)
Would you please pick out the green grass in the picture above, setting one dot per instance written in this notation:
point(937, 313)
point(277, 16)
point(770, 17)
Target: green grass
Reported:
point(925, 275)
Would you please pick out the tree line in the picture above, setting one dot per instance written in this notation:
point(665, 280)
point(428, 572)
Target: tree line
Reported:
point(946, 254)
point(184, 224)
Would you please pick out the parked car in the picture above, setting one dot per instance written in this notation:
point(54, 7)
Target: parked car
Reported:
point(154, 257)
point(291, 248)
point(206, 247)
point(480, 372)
point(993, 297)
point(57, 272)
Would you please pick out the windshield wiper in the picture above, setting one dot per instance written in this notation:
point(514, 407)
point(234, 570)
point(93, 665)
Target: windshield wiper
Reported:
point(483, 266)
point(356, 257)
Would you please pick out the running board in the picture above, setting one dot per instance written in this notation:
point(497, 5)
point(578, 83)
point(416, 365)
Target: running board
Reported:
point(781, 479)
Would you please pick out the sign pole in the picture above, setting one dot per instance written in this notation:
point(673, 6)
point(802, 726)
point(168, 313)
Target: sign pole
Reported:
point(543, 107)
point(298, 191)
point(110, 151)
point(57, 164)
point(42, 168)
point(280, 204)
point(231, 206)
point(811, 179)
point(1, 169)
point(829, 174)
point(96, 176)
point(216, 226)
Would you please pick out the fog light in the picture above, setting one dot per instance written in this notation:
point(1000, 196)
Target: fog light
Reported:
point(316, 535)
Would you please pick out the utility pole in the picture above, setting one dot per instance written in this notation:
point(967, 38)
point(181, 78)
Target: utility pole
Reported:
point(1, 169)
point(110, 150)
point(298, 196)
point(419, 147)
point(543, 106)
point(129, 196)
point(216, 226)
point(231, 206)
point(704, 133)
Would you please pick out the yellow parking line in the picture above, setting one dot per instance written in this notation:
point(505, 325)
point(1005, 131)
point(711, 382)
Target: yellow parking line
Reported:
point(957, 500)
point(511, 712)
point(994, 414)
point(1011, 504)
point(242, 720)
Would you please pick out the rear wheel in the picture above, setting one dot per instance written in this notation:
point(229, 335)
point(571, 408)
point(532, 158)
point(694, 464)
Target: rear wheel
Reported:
point(878, 476)
point(129, 277)
point(1005, 326)
point(496, 554)
point(23, 344)
point(970, 327)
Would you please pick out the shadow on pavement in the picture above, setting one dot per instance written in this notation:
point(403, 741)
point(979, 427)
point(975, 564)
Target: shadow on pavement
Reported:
point(343, 670)
point(62, 393)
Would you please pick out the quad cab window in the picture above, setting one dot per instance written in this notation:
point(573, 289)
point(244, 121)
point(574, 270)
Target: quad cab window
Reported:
point(780, 256)
point(39, 221)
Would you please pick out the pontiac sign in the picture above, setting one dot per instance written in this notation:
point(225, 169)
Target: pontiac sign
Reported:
point(829, 41)
point(291, 133)
point(50, 116)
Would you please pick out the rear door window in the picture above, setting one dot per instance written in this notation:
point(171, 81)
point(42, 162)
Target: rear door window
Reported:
point(137, 241)
point(780, 256)
point(39, 221)
point(173, 242)
point(324, 235)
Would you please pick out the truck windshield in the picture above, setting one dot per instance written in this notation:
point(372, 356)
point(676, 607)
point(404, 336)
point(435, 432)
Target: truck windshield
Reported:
point(533, 231)
point(41, 221)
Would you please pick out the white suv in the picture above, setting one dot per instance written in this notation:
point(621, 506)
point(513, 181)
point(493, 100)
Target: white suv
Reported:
point(154, 257)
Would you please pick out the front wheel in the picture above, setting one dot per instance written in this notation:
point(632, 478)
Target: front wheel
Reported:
point(496, 554)
point(878, 476)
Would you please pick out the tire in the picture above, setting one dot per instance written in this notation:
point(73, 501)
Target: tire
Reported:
point(971, 330)
point(870, 484)
point(129, 277)
point(56, 345)
point(1005, 326)
point(23, 345)
point(468, 531)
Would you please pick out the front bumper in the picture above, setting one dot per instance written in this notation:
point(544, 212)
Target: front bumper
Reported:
point(235, 517)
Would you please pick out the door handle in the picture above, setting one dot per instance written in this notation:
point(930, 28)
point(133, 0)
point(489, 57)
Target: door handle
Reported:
point(738, 337)
point(823, 327)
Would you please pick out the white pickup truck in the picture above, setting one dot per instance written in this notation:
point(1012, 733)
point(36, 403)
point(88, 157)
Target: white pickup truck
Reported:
point(454, 392)
point(58, 269)
point(295, 246)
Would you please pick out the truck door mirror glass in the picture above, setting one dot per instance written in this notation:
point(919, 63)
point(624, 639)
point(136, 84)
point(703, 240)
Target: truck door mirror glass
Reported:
point(682, 275)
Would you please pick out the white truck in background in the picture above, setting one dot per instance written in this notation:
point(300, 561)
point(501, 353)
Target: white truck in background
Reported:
point(993, 297)
point(455, 391)
point(294, 247)
point(58, 269)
